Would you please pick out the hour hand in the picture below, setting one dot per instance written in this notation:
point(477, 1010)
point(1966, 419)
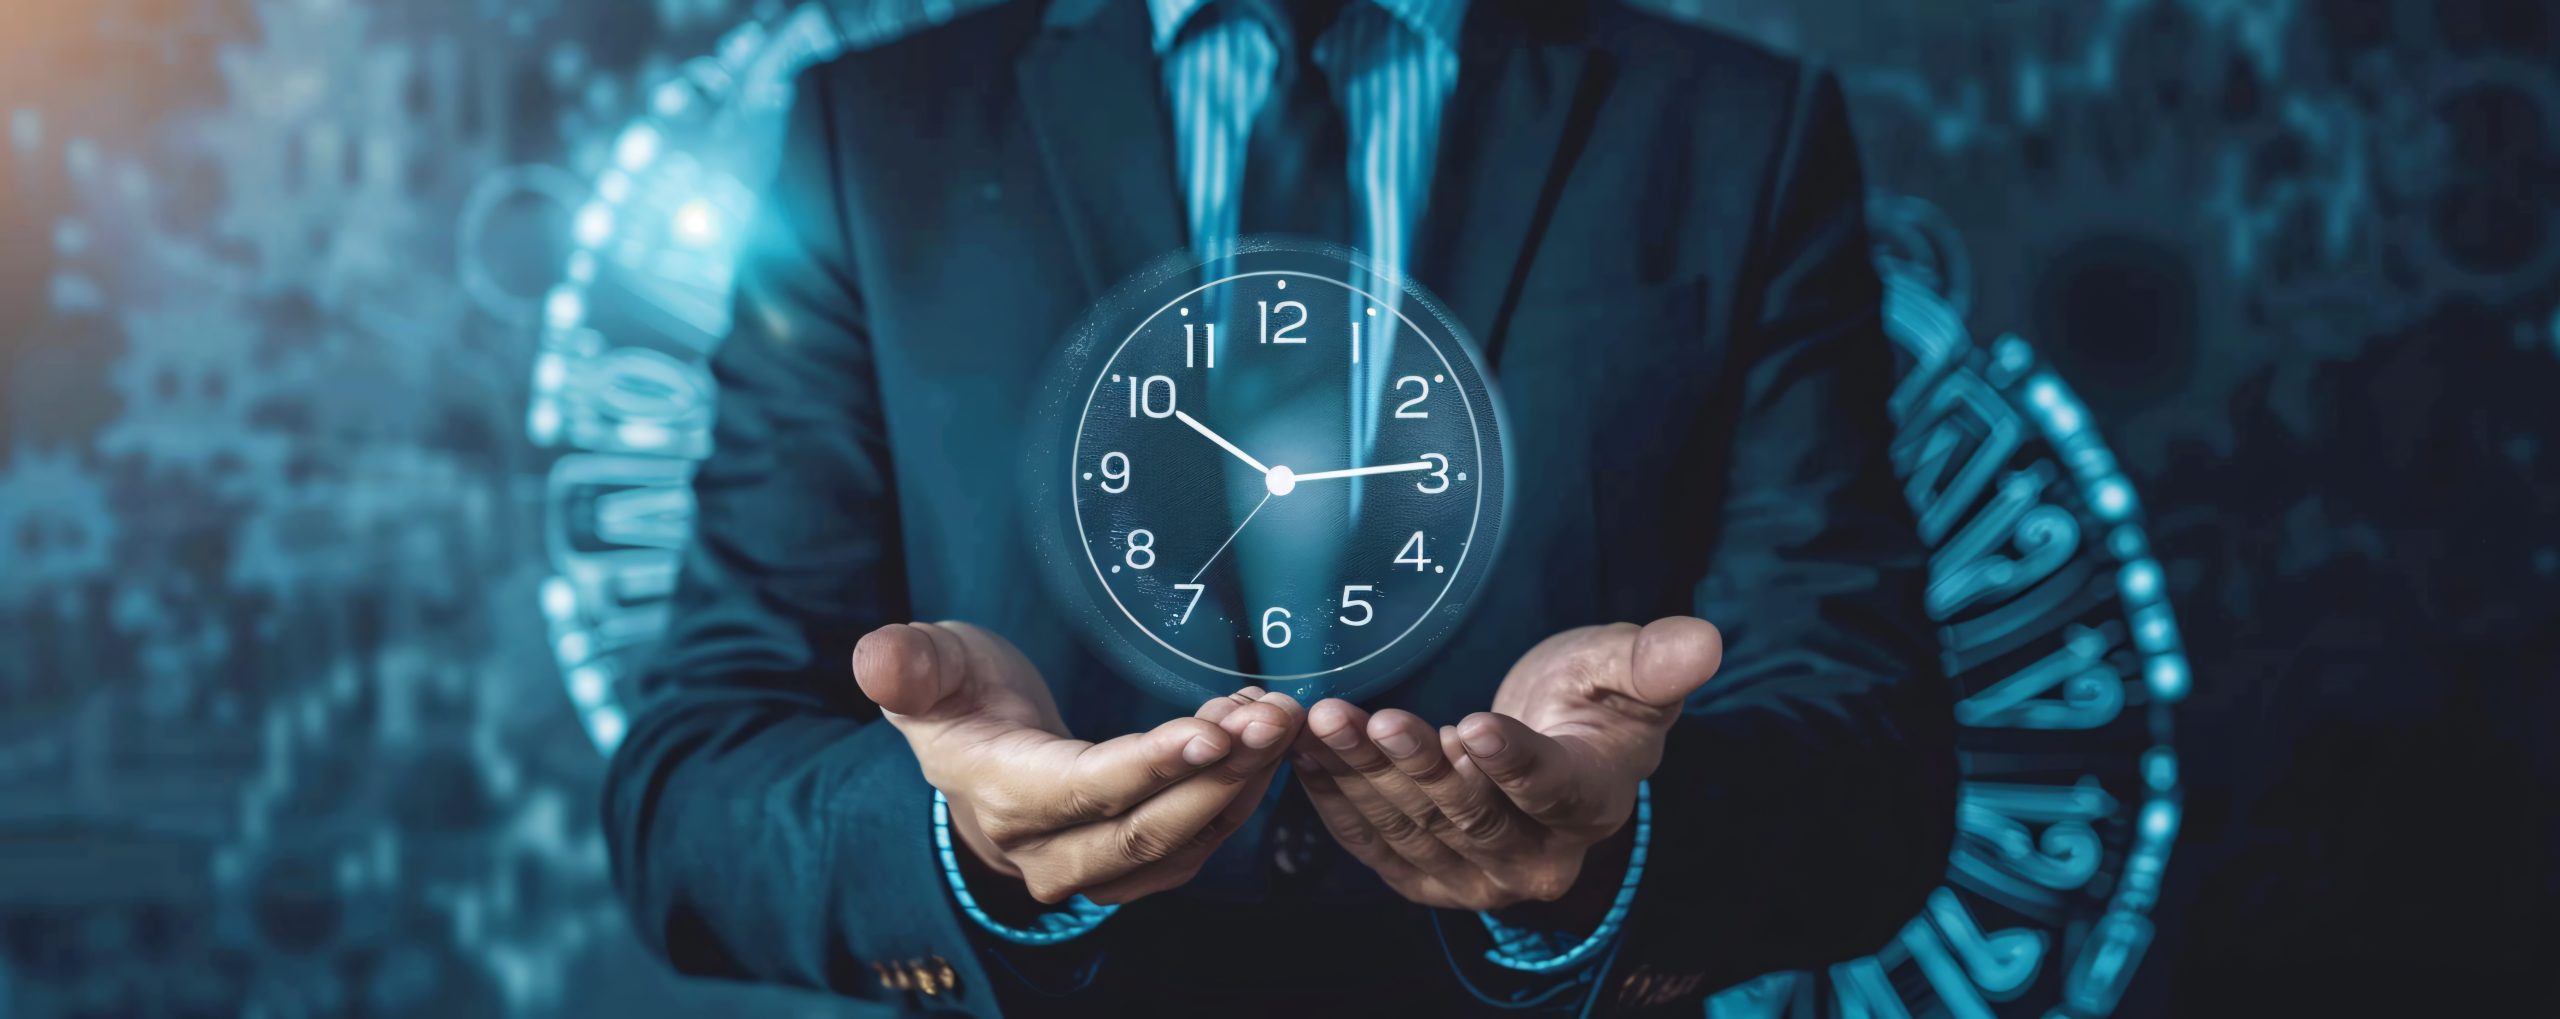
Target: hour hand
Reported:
point(1186, 418)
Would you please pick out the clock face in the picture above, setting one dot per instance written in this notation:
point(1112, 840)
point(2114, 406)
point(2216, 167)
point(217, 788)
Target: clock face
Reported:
point(1285, 469)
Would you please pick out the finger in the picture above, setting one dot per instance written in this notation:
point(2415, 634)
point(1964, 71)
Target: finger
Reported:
point(1262, 728)
point(1486, 824)
point(1403, 816)
point(1481, 819)
point(1109, 778)
point(1673, 657)
point(1177, 870)
point(900, 667)
point(1194, 810)
point(1353, 736)
point(1531, 769)
point(1216, 708)
point(1413, 747)
point(1343, 819)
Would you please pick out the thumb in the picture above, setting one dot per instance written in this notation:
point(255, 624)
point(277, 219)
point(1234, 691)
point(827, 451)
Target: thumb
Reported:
point(911, 669)
point(1673, 657)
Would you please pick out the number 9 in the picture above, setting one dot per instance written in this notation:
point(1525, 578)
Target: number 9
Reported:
point(1109, 475)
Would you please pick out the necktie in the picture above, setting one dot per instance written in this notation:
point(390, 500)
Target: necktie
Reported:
point(1296, 159)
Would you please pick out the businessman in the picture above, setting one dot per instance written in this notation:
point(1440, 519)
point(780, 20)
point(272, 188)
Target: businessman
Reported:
point(1692, 731)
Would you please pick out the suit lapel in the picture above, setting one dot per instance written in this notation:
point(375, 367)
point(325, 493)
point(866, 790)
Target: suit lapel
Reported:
point(1523, 106)
point(1096, 107)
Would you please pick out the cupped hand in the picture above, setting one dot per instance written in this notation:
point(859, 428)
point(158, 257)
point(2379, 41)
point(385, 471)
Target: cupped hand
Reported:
point(1112, 821)
point(1509, 806)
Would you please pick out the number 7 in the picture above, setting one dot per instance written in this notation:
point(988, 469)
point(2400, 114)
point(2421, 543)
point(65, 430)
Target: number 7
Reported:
point(1195, 590)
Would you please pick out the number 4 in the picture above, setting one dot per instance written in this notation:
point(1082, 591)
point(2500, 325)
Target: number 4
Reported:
point(1412, 553)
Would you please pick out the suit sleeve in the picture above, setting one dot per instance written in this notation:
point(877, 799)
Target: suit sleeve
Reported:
point(764, 823)
point(1806, 801)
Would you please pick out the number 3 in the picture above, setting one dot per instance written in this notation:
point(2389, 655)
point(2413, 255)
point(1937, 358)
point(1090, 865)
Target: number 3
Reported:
point(1442, 474)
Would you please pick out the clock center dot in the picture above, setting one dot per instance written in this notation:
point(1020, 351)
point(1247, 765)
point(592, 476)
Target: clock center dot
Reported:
point(1280, 480)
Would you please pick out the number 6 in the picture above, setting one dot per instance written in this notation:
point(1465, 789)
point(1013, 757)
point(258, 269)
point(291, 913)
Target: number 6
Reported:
point(1281, 624)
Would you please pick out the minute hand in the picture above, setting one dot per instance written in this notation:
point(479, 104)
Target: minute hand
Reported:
point(1359, 471)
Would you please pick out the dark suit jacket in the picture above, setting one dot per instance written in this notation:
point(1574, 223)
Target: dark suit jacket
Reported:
point(1656, 233)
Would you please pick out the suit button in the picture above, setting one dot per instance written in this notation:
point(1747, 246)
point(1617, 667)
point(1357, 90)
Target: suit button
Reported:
point(1647, 988)
point(941, 977)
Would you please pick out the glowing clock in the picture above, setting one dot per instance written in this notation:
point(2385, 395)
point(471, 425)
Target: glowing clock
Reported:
point(1278, 467)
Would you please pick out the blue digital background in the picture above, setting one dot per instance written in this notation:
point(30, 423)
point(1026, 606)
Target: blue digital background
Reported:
point(284, 727)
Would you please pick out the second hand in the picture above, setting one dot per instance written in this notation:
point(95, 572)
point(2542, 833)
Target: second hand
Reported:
point(1231, 539)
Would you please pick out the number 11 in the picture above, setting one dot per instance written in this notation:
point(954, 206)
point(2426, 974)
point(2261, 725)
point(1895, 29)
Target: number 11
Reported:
point(1188, 337)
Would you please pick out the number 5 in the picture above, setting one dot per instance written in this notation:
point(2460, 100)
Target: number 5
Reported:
point(1349, 602)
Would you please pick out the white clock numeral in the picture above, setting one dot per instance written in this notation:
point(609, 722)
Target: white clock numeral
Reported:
point(1412, 553)
point(1143, 542)
point(1348, 603)
point(1283, 335)
point(1281, 624)
point(1442, 474)
point(1187, 353)
point(1121, 475)
point(1142, 396)
point(1405, 409)
point(1194, 603)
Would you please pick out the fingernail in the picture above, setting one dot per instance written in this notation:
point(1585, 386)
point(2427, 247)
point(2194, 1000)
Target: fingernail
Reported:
point(1397, 744)
point(1201, 750)
point(1261, 734)
point(1343, 738)
point(1482, 744)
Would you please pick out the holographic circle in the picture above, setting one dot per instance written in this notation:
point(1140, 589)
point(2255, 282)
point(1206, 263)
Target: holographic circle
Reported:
point(2056, 630)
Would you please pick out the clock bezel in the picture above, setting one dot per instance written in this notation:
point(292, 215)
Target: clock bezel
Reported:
point(1097, 344)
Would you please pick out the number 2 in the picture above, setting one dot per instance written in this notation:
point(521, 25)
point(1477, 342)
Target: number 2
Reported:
point(1283, 335)
point(1405, 409)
